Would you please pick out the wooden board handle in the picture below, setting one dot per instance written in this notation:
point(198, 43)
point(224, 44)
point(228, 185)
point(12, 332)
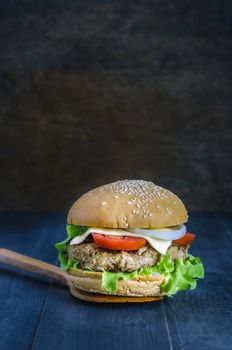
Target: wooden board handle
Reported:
point(33, 265)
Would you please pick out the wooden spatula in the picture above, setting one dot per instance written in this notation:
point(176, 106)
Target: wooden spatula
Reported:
point(42, 268)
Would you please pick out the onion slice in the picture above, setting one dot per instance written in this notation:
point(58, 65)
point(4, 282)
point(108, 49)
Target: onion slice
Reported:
point(160, 245)
point(167, 234)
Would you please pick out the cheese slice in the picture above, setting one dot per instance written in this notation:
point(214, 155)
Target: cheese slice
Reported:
point(158, 244)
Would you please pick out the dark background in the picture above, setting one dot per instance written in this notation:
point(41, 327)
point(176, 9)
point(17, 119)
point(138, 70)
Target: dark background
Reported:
point(95, 91)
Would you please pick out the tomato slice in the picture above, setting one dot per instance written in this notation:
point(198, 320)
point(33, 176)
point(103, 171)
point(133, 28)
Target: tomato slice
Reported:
point(118, 242)
point(186, 239)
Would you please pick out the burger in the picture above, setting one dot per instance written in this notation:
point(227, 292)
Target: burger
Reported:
point(128, 238)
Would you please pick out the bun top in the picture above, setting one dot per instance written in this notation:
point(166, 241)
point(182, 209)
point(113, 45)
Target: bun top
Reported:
point(128, 204)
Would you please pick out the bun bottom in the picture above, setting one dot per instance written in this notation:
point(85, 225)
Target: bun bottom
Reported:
point(140, 286)
point(102, 298)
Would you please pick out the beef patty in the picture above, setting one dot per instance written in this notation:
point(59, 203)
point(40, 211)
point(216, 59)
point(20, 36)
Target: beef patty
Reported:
point(91, 257)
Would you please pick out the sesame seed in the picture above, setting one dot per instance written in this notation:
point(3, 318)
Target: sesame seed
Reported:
point(169, 211)
point(115, 196)
point(125, 224)
point(143, 191)
point(129, 202)
point(157, 206)
point(103, 203)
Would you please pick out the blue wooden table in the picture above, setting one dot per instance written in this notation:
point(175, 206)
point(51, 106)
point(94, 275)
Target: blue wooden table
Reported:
point(36, 313)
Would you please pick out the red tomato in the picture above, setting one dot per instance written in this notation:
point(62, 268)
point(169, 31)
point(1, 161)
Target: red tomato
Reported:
point(118, 242)
point(186, 239)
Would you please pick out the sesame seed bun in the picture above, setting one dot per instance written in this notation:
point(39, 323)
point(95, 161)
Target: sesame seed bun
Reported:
point(128, 204)
point(140, 286)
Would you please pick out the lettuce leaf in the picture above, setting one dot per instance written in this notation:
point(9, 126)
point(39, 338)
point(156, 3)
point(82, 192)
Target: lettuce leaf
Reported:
point(179, 274)
point(110, 279)
point(72, 231)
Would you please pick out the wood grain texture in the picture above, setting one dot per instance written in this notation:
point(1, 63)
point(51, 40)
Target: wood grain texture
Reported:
point(39, 267)
point(93, 91)
point(202, 318)
point(104, 326)
point(48, 317)
point(212, 242)
point(23, 295)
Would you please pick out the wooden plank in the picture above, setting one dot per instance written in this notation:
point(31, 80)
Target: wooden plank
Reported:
point(212, 243)
point(64, 322)
point(34, 315)
point(71, 324)
point(22, 294)
point(226, 221)
point(202, 319)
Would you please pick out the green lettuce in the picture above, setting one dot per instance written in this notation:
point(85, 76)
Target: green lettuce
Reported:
point(72, 231)
point(110, 279)
point(179, 275)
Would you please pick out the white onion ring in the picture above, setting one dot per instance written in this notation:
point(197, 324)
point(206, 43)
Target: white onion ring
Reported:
point(167, 234)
